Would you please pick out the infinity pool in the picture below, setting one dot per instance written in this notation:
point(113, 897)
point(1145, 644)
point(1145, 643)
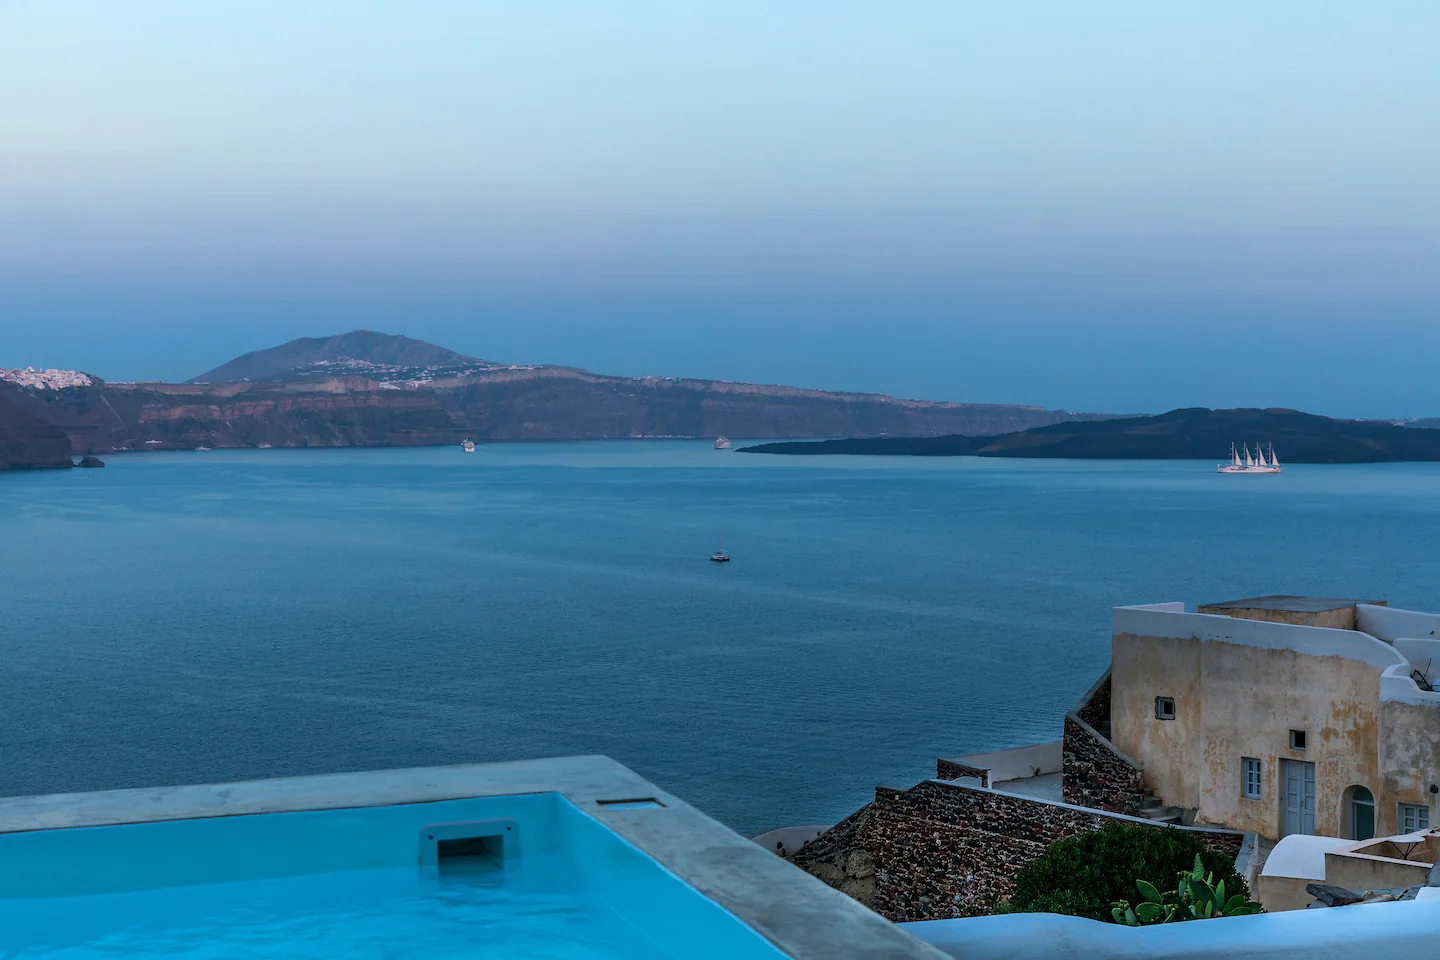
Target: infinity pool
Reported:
point(527, 876)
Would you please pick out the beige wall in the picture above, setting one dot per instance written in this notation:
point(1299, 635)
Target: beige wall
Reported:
point(1143, 668)
point(1340, 618)
point(1284, 893)
point(1358, 872)
point(1410, 762)
point(1236, 700)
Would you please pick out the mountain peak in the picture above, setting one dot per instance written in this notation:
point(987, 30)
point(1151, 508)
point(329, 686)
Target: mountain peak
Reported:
point(358, 352)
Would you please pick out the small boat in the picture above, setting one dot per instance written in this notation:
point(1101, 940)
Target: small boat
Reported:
point(722, 443)
point(467, 445)
point(202, 449)
point(720, 556)
point(263, 446)
point(1242, 462)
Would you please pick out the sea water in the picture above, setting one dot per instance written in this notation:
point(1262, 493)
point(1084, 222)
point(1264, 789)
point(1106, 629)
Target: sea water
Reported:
point(194, 617)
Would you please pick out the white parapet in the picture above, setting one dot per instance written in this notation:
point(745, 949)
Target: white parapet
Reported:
point(1404, 930)
point(1157, 620)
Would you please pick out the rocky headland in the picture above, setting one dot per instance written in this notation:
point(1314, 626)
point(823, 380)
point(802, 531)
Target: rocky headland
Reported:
point(1196, 433)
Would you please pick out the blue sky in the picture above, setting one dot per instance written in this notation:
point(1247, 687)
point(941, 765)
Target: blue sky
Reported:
point(1113, 206)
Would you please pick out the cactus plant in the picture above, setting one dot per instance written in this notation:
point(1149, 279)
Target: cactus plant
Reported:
point(1196, 897)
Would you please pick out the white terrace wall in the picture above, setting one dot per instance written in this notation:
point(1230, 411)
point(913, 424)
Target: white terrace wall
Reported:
point(1239, 687)
point(1383, 931)
point(1016, 763)
point(1423, 654)
point(1390, 624)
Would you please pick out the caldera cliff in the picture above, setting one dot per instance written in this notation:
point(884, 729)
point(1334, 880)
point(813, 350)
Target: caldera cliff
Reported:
point(28, 442)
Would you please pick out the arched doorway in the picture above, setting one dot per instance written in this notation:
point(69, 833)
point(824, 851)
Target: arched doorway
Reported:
point(1360, 813)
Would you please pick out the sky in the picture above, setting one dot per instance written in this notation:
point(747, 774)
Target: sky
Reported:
point(1113, 206)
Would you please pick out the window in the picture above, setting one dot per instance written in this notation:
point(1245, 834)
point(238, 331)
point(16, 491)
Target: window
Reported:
point(1165, 708)
point(1414, 817)
point(1297, 739)
point(1252, 778)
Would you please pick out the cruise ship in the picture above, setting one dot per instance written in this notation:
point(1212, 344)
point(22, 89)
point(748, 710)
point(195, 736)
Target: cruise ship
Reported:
point(467, 445)
point(1249, 464)
point(722, 443)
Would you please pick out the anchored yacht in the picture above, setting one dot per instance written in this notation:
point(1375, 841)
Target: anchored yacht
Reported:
point(720, 556)
point(1245, 463)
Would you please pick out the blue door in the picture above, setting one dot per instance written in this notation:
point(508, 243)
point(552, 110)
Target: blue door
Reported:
point(1299, 780)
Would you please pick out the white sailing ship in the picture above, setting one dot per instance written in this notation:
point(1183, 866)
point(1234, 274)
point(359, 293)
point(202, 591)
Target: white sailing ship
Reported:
point(1245, 463)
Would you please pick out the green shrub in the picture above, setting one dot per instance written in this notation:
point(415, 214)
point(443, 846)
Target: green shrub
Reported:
point(1086, 874)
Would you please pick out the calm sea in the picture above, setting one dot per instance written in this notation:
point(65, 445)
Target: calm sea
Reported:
point(215, 616)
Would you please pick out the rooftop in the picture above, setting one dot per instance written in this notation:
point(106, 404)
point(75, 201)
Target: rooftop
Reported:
point(1287, 604)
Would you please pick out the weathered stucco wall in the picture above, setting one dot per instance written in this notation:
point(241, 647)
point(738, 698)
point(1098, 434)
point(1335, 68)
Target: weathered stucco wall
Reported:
point(1409, 761)
point(1143, 668)
point(1358, 872)
point(1239, 688)
point(1340, 618)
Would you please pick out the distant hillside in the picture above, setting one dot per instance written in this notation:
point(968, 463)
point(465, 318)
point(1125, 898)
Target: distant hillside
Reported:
point(1188, 434)
point(374, 389)
point(358, 352)
point(27, 441)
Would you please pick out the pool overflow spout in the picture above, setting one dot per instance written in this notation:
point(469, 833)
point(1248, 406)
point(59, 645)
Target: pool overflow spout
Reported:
point(467, 846)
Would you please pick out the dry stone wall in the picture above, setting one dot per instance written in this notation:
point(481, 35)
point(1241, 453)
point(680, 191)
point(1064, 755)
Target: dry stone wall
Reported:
point(941, 850)
point(950, 770)
point(1095, 709)
point(1095, 773)
point(844, 856)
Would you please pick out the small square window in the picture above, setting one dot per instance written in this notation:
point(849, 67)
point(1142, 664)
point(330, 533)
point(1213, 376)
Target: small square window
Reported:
point(1297, 739)
point(1252, 778)
point(1165, 708)
point(1414, 817)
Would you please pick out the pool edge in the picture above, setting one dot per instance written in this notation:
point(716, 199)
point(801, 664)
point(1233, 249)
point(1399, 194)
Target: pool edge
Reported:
point(802, 917)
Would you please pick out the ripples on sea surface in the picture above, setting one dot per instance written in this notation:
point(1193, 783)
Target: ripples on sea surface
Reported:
point(236, 614)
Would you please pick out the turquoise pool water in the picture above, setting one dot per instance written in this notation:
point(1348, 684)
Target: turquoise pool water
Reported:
point(349, 883)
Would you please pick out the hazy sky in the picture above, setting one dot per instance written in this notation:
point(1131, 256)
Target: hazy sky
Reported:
point(1105, 205)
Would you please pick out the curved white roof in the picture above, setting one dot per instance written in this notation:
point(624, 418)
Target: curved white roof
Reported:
point(1301, 856)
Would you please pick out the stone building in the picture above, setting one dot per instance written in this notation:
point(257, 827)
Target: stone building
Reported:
point(1243, 720)
point(1281, 715)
